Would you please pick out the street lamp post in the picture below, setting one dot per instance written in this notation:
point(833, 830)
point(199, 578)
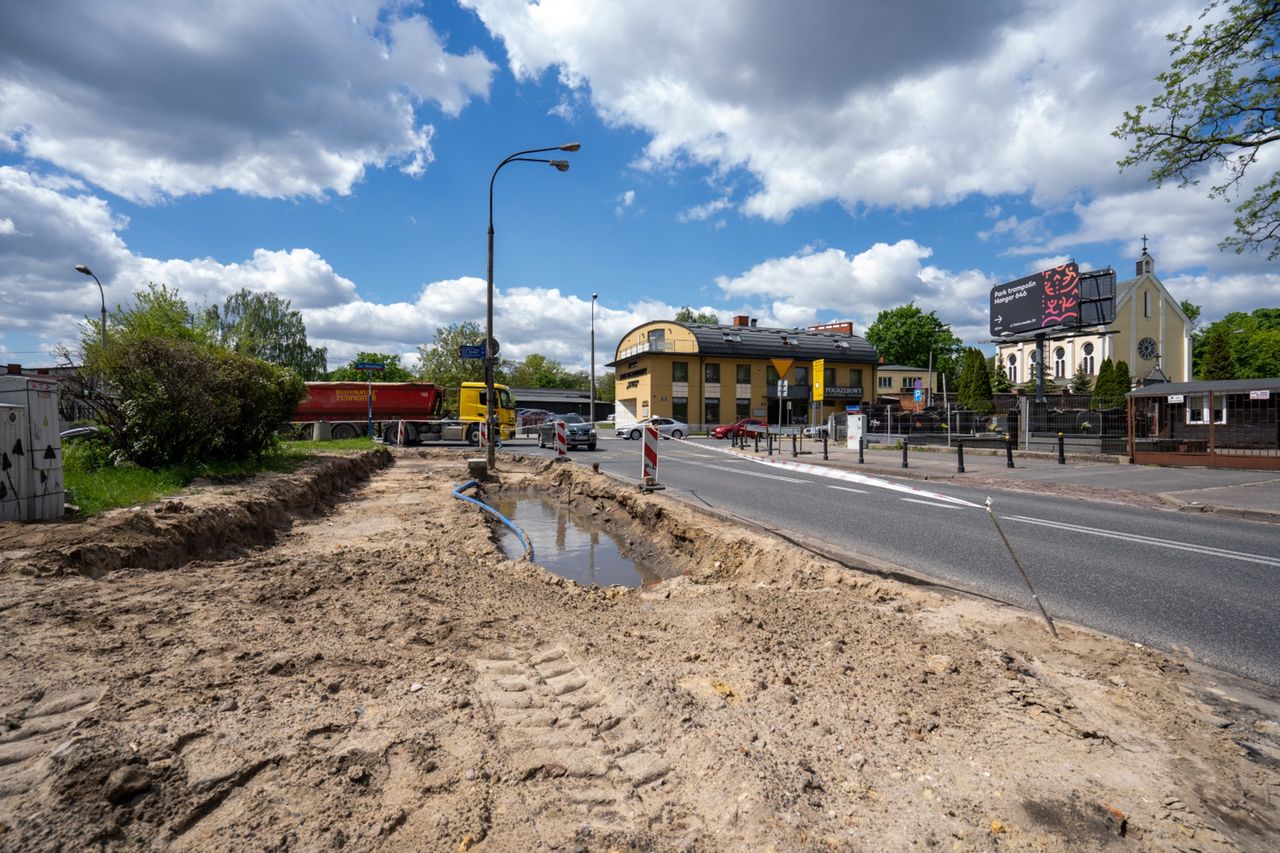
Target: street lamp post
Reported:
point(594, 297)
point(81, 268)
point(518, 157)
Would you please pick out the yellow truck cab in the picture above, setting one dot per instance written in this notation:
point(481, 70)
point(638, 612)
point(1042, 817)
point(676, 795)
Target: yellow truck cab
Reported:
point(472, 401)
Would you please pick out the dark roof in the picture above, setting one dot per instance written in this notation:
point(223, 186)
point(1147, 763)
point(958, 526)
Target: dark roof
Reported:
point(1226, 386)
point(801, 344)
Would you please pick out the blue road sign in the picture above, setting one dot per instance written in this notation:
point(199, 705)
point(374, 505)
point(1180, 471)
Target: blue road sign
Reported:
point(918, 394)
point(370, 365)
point(471, 351)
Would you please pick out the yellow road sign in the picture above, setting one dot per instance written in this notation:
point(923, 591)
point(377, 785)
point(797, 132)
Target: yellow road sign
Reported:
point(782, 365)
point(819, 379)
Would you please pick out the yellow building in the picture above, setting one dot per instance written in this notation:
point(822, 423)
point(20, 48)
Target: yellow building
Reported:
point(901, 382)
point(708, 374)
point(1150, 330)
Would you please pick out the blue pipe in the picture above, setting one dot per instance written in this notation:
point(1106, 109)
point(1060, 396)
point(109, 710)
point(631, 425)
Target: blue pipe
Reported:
point(524, 540)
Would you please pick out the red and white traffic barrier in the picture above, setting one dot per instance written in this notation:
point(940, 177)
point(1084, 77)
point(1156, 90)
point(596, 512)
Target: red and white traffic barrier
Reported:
point(649, 463)
point(562, 438)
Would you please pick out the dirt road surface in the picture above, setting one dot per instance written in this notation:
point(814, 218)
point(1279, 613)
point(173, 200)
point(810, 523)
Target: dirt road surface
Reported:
point(343, 658)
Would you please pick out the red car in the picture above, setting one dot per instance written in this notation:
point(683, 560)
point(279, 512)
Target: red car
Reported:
point(738, 427)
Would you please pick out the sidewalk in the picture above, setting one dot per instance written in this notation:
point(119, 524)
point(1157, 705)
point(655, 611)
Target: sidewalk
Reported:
point(1254, 495)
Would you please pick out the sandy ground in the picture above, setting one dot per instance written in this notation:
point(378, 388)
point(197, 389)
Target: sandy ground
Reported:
point(282, 665)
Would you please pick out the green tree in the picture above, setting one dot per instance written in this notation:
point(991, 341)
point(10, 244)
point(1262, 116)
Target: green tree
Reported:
point(1218, 108)
point(1121, 382)
point(1215, 359)
point(1102, 386)
point(975, 391)
point(179, 398)
point(905, 335)
point(686, 315)
point(1000, 383)
point(442, 365)
point(263, 325)
point(392, 370)
point(1192, 311)
point(606, 387)
point(1080, 381)
point(538, 371)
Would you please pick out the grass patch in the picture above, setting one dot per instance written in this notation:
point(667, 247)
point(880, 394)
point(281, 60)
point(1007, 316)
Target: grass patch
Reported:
point(95, 486)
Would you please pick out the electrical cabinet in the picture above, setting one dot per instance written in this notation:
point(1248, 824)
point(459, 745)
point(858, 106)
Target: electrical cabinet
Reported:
point(44, 495)
point(14, 470)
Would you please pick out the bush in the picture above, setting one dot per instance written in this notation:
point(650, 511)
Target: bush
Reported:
point(182, 402)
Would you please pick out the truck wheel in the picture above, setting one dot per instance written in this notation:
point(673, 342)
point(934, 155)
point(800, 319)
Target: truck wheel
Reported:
point(473, 435)
point(635, 434)
point(341, 432)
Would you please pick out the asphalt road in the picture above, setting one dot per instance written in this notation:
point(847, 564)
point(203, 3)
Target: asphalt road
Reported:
point(1197, 585)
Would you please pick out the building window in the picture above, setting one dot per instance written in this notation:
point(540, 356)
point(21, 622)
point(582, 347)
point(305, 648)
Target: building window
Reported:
point(711, 372)
point(886, 382)
point(829, 376)
point(1198, 408)
point(680, 408)
point(743, 407)
point(679, 371)
point(1087, 362)
point(1013, 368)
point(771, 376)
point(802, 375)
point(1146, 303)
point(713, 411)
point(855, 377)
point(744, 374)
point(1059, 363)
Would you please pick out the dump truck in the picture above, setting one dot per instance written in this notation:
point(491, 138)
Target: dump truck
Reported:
point(404, 412)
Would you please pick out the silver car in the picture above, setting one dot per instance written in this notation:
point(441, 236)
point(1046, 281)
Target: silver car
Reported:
point(578, 432)
point(667, 428)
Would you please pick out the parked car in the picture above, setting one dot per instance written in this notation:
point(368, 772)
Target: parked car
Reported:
point(667, 428)
point(531, 417)
point(578, 432)
point(738, 427)
point(817, 431)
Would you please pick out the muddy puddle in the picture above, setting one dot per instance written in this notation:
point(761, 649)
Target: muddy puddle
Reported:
point(570, 543)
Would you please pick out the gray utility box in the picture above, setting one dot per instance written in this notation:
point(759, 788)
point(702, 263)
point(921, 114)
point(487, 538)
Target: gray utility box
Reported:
point(41, 446)
point(14, 470)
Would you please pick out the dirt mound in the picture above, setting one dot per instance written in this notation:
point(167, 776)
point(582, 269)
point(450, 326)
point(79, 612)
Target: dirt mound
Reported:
point(209, 520)
point(383, 678)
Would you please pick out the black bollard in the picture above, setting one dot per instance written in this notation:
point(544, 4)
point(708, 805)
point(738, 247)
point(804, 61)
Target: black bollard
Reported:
point(768, 440)
point(757, 442)
point(904, 453)
point(1008, 450)
point(960, 457)
point(793, 444)
point(824, 447)
point(1062, 455)
point(862, 443)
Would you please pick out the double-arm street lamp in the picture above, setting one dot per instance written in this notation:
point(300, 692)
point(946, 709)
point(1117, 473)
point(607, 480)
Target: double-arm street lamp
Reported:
point(81, 268)
point(518, 157)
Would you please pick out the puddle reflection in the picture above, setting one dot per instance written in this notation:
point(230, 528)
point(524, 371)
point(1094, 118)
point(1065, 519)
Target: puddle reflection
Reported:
point(570, 543)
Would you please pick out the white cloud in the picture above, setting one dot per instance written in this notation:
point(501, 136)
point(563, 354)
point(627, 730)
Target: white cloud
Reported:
point(624, 201)
point(278, 98)
point(856, 102)
point(6, 225)
point(702, 212)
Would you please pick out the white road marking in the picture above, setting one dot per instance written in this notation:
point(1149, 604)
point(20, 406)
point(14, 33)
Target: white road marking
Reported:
point(847, 489)
point(1149, 540)
point(931, 503)
point(747, 473)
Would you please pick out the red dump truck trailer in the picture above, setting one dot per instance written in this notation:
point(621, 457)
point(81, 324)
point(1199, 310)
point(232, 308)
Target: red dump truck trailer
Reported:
point(409, 412)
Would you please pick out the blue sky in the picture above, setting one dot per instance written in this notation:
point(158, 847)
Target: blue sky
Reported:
point(799, 163)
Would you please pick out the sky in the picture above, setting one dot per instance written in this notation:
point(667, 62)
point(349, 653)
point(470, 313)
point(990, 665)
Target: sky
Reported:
point(800, 163)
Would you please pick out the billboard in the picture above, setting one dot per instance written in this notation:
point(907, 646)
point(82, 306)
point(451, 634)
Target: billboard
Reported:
point(1045, 299)
point(1098, 297)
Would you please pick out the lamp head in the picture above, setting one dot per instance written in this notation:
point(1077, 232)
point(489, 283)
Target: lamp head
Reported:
point(595, 296)
point(561, 165)
point(81, 268)
point(570, 146)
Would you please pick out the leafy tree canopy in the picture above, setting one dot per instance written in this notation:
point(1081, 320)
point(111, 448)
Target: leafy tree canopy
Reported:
point(392, 372)
point(687, 315)
point(442, 365)
point(1218, 109)
point(606, 387)
point(975, 391)
point(538, 371)
point(1240, 346)
point(904, 335)
point(263, 325)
